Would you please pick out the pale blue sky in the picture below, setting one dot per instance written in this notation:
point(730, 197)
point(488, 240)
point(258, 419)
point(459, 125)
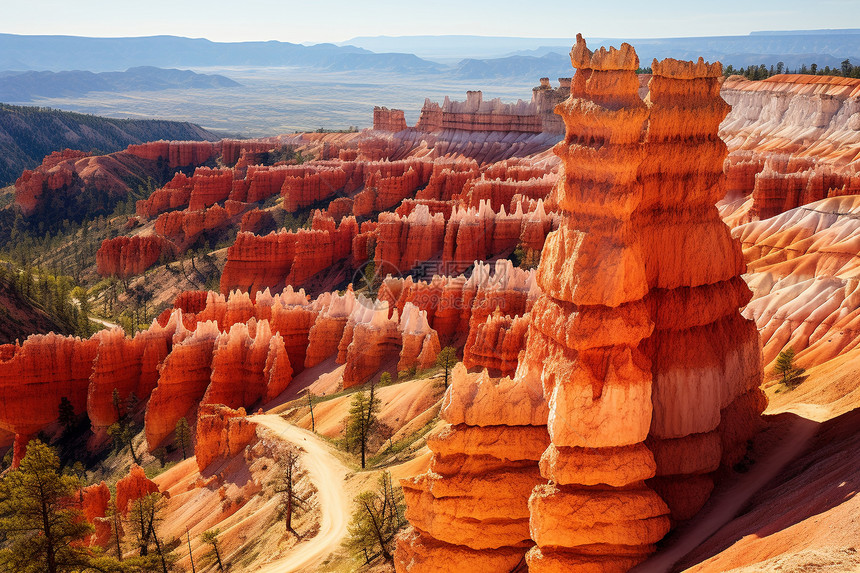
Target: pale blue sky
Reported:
point(338, 20)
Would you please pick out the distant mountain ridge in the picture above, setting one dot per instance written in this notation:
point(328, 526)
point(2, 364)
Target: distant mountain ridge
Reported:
point(27, 134)
point(57, 53)
point(25, 86)
point(794, 48)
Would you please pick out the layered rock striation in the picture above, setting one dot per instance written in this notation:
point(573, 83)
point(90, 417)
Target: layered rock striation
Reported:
point(125, 257)
point(638, 417)
point(803, 271)
point(793, 140)
point(221, 433)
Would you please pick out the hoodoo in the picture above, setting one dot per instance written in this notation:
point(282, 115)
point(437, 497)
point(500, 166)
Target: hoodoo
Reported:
point(636, 342)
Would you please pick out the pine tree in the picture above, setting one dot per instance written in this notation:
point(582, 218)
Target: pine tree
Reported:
point(66, 416)
point(183, 436)
point(211, 537)
point(447, 358)
point(361, 421)
point(144, 519)
point(42, 527)
point(786, 369)
point(285, 483)
point(376, 519)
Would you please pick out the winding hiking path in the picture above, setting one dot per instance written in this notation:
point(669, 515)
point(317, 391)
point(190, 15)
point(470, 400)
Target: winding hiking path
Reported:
point(327, 473)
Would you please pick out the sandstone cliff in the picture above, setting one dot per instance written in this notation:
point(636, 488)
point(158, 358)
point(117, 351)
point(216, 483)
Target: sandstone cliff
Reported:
point(612, 339)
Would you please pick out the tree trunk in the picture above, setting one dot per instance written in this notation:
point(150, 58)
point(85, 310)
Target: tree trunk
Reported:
point(50, 557)
point(190, 555)
point(376, 527)
point(116, 534)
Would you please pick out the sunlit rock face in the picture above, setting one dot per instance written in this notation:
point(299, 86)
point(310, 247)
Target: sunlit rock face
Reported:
point(803, 274)
point(125, 257)
point(637, 360)
point(221, 433)
point(794, 139)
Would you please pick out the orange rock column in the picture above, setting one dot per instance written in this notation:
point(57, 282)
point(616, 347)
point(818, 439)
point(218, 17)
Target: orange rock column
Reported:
point(586, 330)
point(706, 358)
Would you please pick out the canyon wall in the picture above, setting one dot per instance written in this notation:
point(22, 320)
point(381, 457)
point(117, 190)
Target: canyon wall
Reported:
point(475, 114)
point(614, 337)
point(794, 139)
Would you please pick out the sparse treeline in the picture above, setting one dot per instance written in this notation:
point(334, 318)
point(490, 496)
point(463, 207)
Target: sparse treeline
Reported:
point(761, 72)
point(42, 526)
point(58, 295)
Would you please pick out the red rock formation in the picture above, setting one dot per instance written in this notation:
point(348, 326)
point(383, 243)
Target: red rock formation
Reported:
point(128, 365)
point(185, 226)
point(802, 271)
point(277, 259)
point(133, 487)
point(210, 186)
point(257, 221)
point(631, 329)
point(385, 119)
point(403, 242)
point(340, 208)
point(408, 205)
point(128, 256)
point(176, 153)
point(175, 194)
point(472, 504)
point(94, 502)
point(684, 337)
point(68, 177)
point(305, 185)
point(474, 114)
point(364, 243)
point(456, 305)
point(374, 338)
point(496, 343)
point(257, 262)
point(780, 158)
point(327, 331)
point(419, 343)
point(34, 378)
point(249, 365)
point(184, 377)
point(221, 433)
point(501, 192)
point(449, 179)
point(231, 149)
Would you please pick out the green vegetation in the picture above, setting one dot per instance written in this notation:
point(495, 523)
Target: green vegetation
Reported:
point(41, 302)
point(761, 72)
point(39, 522)
point(182, 436)
point(376, 519)
point(122, 431)
point(211, 538)
point(144, 517)
point(447, 359)
point(525, 258)
point(361, 422)
point(284, 154)
point(785, 368)
point(27, 134)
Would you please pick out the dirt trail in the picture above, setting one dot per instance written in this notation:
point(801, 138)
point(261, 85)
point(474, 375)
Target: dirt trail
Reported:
point(328, 474)
point(104, 323)
point(723, 507)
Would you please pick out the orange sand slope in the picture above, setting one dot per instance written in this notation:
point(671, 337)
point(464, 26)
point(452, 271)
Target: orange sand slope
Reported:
point(804, 267)
point(808, 517)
